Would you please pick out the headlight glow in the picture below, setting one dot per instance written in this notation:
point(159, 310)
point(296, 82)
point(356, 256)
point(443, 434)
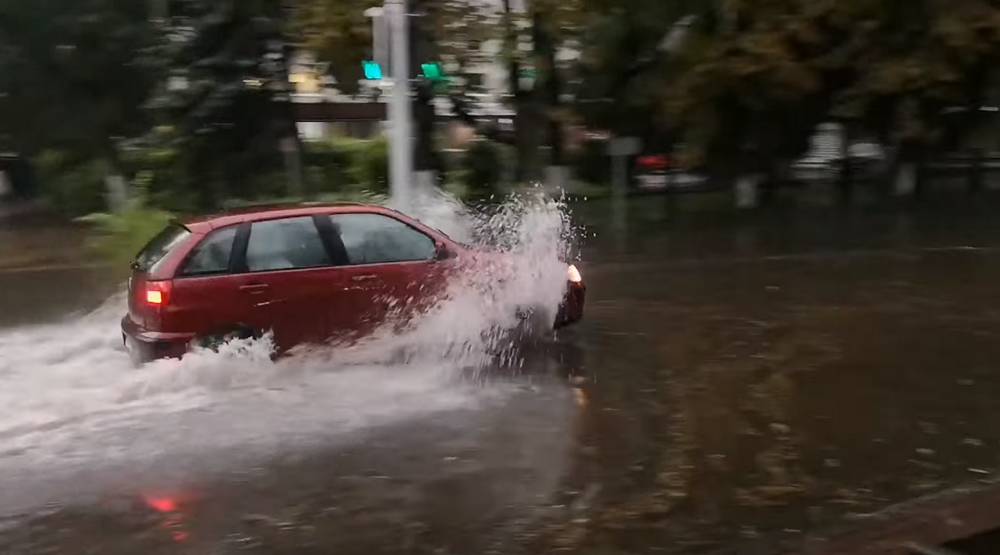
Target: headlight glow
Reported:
point(573, 274)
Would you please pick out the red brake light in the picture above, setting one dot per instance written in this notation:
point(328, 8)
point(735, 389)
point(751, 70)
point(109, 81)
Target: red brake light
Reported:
point(157, 293)
point(653, 163)
point(162, 504)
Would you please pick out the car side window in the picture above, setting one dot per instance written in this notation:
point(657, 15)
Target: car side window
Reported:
point(377, 239)
point(285, 245)
point(212, 255)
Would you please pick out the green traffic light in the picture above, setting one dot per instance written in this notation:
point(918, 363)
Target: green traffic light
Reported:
point(433, 71)
point(373, 70)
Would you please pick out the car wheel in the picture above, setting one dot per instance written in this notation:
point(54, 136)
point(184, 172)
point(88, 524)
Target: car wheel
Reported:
point(215, 341)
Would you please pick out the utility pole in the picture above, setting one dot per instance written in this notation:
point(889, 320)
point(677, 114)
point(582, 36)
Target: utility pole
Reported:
point(400, 109)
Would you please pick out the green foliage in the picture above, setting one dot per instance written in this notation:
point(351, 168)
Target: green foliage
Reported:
point(71, 186)
point(158, 169)
point(73, 75)
point(339, 33)
point(119, 237)
point(85, 93)
point(746, 98)
point(921, 60)
point(326, 165)
point(751, 87)
point(229, 102)
point(348, 165)
point(483, 168)
point(369, 167)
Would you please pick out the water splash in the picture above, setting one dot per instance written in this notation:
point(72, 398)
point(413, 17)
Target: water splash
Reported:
point(511, 294)
point(71, 396)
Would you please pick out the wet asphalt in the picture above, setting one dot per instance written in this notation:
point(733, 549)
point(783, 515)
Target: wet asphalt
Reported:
point(742, 383)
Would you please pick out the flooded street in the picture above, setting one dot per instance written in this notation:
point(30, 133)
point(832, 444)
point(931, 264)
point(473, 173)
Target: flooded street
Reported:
point(740, 384)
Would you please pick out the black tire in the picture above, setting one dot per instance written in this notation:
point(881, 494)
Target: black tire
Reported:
point(214, 341)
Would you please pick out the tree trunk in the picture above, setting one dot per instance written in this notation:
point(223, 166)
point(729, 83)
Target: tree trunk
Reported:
point(905, 182)
point(976, 171)
point(115, 184)
point(426, 162)
point(747, 191)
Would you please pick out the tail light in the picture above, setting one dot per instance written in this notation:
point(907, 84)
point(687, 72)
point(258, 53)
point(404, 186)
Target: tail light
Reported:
point(653, 163)
point(573, 274)
point(157, 294)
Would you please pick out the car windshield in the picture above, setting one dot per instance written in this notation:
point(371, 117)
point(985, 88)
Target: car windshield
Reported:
point(159, 247)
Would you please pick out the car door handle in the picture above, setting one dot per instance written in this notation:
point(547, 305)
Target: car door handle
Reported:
point(359, 279)
point(254, 287)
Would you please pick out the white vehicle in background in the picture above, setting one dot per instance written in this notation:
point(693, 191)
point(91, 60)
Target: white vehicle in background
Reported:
point(825, 158)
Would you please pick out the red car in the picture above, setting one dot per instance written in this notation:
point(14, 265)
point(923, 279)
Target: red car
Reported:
point(308, 274)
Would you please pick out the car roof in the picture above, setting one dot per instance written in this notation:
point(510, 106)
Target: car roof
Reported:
point(204, 224)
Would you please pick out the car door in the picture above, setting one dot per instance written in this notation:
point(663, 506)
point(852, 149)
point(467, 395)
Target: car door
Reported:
point(206, 297)
point(391, 269)
point(292, 286)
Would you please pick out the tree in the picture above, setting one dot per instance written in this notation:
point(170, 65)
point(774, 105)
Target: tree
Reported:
point(228, 98)
point(751, 87)
point(623, 65)
point(74, 76)
point(338, 32)
point(927, 68)
point(755, 79)
point(532, 43)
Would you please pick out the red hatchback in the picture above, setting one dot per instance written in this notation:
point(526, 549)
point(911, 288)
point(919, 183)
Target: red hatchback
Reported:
point(307, 274)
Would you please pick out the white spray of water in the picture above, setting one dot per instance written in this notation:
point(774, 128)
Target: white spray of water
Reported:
point(517, 284)
point(70, 396)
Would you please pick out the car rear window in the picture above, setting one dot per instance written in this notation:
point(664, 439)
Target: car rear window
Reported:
point(160, 246)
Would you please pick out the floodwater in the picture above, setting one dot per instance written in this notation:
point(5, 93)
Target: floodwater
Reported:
point(741, 384)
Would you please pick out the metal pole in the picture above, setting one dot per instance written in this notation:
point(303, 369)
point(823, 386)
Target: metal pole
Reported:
point(400, 110)
point(619, 208)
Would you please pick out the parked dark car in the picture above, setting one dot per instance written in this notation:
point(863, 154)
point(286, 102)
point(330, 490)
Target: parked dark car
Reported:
point(307, 274)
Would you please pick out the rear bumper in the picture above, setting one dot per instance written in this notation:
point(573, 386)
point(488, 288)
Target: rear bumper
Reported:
point(145, 346)
point(571, 309)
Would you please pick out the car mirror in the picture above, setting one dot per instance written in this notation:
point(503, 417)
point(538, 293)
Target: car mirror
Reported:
point(442, 252)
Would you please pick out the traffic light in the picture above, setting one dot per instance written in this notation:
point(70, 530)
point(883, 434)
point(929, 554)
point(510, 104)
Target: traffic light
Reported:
point(373, 71)
point(433, 72)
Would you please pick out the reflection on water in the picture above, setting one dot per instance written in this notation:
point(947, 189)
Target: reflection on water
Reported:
point(740, 383)
point(775, 374)
point(46, 272)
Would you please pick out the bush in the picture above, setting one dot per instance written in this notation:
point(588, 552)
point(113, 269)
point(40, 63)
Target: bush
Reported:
point(119, 237)
point(72, 186)
point(483, 168)
point(325, 166)
point(343, 165)
point(370, 166)
point(159, 171)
